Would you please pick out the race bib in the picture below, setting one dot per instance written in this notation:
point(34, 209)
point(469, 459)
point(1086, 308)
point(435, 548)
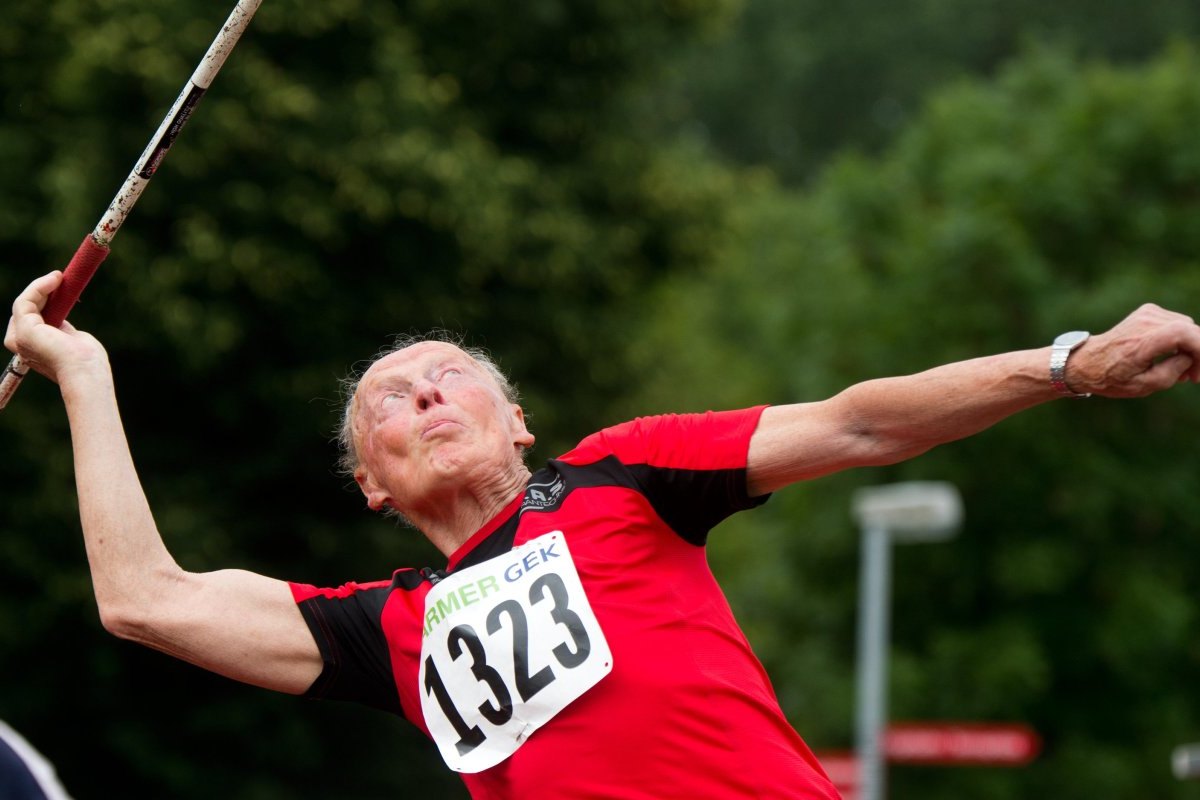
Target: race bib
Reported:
point(507, 644)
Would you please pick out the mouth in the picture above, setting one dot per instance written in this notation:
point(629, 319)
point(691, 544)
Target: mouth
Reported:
point(435, 426)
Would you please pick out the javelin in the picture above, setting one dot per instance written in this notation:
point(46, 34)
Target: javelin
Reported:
point(94, 248)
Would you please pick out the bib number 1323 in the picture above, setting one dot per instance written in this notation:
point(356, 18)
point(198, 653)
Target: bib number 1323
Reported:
point(507, 645)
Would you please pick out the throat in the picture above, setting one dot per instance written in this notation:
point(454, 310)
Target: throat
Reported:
point(457, 514)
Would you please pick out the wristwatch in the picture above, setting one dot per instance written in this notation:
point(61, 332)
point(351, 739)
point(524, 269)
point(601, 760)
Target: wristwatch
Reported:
point(1059, 352)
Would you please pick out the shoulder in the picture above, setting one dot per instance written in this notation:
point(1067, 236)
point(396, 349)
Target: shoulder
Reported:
point(707, 440)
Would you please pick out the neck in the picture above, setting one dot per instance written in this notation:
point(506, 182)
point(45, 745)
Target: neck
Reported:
point(451, 517)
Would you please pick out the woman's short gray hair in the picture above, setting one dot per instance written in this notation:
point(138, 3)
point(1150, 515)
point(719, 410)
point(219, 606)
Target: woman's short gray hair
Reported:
point(348, 461)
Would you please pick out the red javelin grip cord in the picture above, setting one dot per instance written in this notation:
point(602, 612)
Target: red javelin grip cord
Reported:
point(79, 271)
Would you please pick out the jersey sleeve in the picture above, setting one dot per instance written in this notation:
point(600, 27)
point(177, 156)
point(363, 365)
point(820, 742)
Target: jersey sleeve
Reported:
point(346, 624)
point(691, 467)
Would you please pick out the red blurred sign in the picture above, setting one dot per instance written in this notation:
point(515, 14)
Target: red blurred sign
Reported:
point(842, 767)
point(961, 743)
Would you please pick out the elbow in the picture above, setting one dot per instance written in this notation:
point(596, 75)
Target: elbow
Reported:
point(872, 442)
point(136, 610)
point(122, 620)
point(890, 452)
point(885, 453)
point(877, 448)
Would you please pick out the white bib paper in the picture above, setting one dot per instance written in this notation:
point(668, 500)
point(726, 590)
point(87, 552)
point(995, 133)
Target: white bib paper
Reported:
point(507, 644)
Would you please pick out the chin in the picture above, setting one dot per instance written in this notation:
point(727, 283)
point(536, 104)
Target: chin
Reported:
point(451, 460)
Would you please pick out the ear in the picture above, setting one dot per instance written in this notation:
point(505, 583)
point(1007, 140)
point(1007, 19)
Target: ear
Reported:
point(377, 498)
point(521, 435)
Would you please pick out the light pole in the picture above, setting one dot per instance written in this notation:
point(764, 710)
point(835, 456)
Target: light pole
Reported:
point(1185, 762)
point(917, 511)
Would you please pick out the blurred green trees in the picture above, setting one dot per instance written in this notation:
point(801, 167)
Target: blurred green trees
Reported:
point(794, 81)
point(363, 168)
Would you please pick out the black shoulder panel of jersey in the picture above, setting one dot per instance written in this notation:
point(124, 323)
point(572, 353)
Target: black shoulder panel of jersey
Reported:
point(357, 664)
point(691, 501)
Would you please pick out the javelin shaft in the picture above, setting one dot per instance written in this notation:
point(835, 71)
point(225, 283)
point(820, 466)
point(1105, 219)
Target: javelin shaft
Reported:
point(173, 123)
point(95, 245)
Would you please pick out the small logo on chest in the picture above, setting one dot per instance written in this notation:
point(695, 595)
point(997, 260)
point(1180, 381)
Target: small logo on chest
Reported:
point(541, 496)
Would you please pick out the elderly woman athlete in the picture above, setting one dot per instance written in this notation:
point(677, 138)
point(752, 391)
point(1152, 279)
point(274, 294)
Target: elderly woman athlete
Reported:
point(575, 643)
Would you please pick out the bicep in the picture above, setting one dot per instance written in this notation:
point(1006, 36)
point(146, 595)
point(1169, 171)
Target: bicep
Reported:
point(235, 623)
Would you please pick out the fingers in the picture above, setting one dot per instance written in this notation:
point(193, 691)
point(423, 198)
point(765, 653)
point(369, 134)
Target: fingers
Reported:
point(33, 299)
point(1168, 372)
point(27, 308)
point(1181, 338)
point(1191, 346)
point(1150, 350)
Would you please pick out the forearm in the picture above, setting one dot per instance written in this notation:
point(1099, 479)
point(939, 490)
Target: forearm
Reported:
point(897, 418)
point(127, 556)
point(891, 419)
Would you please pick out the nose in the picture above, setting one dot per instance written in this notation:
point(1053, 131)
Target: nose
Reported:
point(426, 394)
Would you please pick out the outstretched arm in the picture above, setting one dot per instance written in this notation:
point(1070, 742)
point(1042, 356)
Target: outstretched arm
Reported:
point(236, 623)
point(892, 419)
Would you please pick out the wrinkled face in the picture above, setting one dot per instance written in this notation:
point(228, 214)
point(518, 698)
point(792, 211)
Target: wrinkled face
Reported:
point(429, 416)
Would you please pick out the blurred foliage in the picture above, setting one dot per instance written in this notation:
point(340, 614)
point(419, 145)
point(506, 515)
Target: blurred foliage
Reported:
point(795, 80)
point(1057, 197)
point(362, 168)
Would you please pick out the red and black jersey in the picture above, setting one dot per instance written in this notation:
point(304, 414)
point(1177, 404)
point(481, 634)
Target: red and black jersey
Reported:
point(687, 710)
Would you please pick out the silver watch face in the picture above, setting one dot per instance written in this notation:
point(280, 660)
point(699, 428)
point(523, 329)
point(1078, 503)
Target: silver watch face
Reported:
point(1071, 339)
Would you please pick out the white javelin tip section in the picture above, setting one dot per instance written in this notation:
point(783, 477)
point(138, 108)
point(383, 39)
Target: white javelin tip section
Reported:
point(233, 29)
